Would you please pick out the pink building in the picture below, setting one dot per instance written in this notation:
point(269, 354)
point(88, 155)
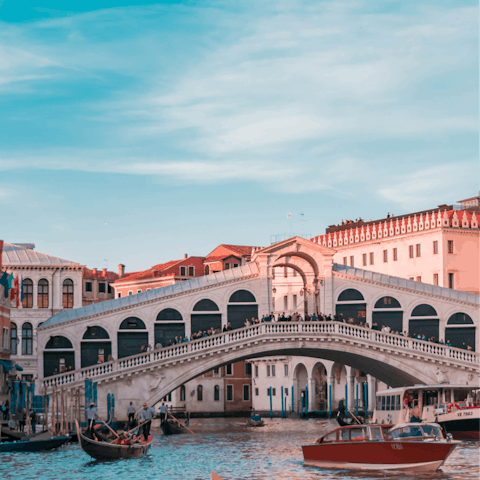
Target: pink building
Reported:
point(438, 246)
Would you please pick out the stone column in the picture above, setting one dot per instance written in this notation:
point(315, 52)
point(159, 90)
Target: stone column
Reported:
point(351, 388)
point(35, 294)
point(57, 290)
point(311, 395)
point(371, 392)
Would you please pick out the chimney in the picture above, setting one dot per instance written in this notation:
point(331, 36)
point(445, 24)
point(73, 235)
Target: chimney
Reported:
point(104, 272)
point(94, 271)
point(121, 270)
point(1, 250)
point(185, 256)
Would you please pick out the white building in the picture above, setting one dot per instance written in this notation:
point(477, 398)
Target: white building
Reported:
point(50, 285)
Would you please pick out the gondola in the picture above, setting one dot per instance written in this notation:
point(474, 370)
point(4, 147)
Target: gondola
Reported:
point(347, 421)
point(171, 427)
point(109, 451)
point(33, 445)
point(255, 421)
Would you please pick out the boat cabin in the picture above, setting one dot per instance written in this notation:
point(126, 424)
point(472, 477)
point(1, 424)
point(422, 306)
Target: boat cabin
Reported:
point(396, 405)
point(415, 431)
point(356, 433)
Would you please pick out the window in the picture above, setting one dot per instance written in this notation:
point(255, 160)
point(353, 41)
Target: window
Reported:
point(207, 270)
point(246, 393)
point(286, 391)
point(256, 392)
point(199, 393)
point(235, 265)
point(419, 253)
point(119, 295)
point(229, 393)
point(285, 302)
point(167, 398)
point(229, 369)
point(183, 271)
point(395, 254)
point(13, 338)
point(248, 368)
point(216, 393)
point(285, 370)
point(226, 266)
point(273, 370)
point(130, 292)
point(182, 393)
point(27, 293)
point(88, 286)
point(191, 271)
point(216, 372)
point(27, 338)
point(68, 293)
point(351, 261)
point(101, 287)
point(294, 301)
point(451, 283)
point(344, 260)
point(410, 251)
point(268, 370)
point(6, 339)
point(371, 258)
point(385, 256)
point(42, 296)
point(256, 371)
point(364, 258)
point(139, 291)
point(273, 392)
point(450, 246)
point(435, 247)
point(435, 278)
point(418, 279)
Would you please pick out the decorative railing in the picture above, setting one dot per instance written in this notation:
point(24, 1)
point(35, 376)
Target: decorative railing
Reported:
point(265, 331)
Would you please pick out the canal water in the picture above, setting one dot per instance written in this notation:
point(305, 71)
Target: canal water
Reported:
point(227, 447)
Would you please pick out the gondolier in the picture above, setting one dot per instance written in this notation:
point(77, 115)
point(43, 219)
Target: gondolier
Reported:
point(163, 413)
point(92, 414)
point(146, 416)
point(131, 414)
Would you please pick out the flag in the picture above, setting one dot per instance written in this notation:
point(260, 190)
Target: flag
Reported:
point(4, 282)
point(16, 284)
point(22, 296)
point(10, 287)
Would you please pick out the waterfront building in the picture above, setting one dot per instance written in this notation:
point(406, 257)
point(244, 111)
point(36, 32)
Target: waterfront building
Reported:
point(97, 285)
point(5, 363)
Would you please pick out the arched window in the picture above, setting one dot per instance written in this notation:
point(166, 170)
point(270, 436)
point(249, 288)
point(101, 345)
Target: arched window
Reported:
point(199, 393)
point(27, 338)
point(95, 333)
point(182, 393)
point(13, 338)
point(216, 393)
point(58, 342)
point(42, 293)
point(424, 311)
point(205, 305)
point(68, 293)
point(243, 296)
point(387, 302)
point(132, 323)
point(207, 269)
point(169, 314)
point(349, 295)
point(460, 319)
point(27, 293)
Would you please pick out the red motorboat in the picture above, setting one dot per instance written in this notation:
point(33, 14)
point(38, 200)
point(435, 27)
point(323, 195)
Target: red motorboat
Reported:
point(419, 446)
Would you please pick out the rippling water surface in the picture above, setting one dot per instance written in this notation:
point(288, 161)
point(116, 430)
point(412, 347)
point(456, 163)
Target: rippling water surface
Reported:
point(227, 447)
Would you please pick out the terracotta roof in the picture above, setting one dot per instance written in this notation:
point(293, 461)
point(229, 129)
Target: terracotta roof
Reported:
point(152, 272)
point(236, 250)
point(87, 273)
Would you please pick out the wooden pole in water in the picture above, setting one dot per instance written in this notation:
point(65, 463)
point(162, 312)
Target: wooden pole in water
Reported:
point(62, 411)
point(71, 411)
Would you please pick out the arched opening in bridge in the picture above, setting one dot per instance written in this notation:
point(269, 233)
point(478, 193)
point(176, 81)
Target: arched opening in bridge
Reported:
point(169, 324)
point(425, 327)
point(206, 319)
point(351, 306)
point(461, 331)
point(388, 312)
point(300, 380)
point(58, 356)
point(242, 306)
point(320, 397)
point(132, 336)
point(95, 347)
point(339, 373)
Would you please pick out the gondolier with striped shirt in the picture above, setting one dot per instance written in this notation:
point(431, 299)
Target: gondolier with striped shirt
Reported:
point(146, 416)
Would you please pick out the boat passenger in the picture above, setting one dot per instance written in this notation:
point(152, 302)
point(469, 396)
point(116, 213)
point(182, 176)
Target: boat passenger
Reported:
point(416, 417)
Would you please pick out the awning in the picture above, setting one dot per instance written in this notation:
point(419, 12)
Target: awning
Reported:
point(19, 368)
point(7, 364)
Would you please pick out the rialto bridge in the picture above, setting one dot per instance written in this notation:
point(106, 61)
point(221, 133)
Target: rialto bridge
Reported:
point(73, 339)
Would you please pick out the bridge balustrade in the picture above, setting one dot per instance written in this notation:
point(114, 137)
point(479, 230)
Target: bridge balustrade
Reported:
point(282, 329)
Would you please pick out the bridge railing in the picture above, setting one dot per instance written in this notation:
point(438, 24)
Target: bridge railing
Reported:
point(282, 329)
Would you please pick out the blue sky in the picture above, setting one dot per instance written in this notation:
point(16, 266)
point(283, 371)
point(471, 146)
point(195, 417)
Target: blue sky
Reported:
point(134, 133)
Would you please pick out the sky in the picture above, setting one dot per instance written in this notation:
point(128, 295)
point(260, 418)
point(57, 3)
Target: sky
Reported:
point(134, 132)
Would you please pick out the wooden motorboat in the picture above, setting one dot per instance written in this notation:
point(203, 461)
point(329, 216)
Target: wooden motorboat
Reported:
point(33, 444)
point(419, 446)
point(112, 451)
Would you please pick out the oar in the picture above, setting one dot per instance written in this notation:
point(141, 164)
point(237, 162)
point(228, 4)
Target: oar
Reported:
point(182, 424)
point(111, 429)
point(79, 432)
point(358, 421)
point(134, 428)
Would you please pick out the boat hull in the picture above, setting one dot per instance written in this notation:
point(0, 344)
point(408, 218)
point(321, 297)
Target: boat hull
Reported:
point(33, 445)
point(172, 428)
point(106, 451)
point(463, 428)
point(385, 455)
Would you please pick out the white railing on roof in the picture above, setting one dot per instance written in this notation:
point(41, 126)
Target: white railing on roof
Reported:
point(243, 336)
point(410, 284)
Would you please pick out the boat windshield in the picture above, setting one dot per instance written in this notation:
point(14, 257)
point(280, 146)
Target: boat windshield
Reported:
point(415, 430)
point(376, 433)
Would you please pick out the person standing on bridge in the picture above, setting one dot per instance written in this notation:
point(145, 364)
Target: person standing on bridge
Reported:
point(146, 416)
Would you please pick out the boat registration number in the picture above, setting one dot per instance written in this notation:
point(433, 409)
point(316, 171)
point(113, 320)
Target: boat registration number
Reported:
point(397, 446)
point(464, 414)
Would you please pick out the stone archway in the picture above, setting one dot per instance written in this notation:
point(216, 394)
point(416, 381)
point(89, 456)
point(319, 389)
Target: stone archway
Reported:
point(300, 381)
point(320, 394)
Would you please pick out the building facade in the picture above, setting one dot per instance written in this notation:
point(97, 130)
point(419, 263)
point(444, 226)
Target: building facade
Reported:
point(97, 285)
